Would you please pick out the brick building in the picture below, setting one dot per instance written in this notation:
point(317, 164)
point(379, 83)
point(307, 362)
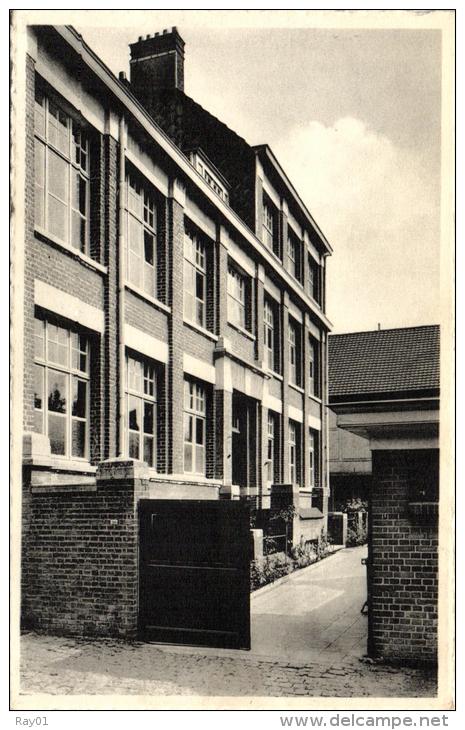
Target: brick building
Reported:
point(390, 398)
point(175, 334)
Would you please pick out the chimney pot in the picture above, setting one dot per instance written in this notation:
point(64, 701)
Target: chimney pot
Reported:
point(122, 75)
point(165, 31)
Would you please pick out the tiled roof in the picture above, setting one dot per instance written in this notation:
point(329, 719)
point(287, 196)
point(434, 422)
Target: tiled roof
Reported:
point(384, 361)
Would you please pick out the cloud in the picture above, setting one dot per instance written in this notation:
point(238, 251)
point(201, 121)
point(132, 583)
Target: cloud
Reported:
point(378, 205)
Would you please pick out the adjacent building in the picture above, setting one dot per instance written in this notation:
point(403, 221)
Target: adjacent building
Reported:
point(384, 388)
point(175, 335)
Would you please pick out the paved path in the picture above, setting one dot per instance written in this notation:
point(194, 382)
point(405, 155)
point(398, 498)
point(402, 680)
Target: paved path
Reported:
point(307, 637)
point(315, 614)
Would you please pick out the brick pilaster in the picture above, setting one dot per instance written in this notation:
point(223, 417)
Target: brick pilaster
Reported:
point(259, 312)
point(284, 334)
point(28, 393)
point(111, 364)
point(175, 331)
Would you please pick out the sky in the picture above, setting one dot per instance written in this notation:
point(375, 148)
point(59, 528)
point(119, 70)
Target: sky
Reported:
point(354, 117)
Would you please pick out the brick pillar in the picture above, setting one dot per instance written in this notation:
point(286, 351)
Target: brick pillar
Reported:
point(263, 415)
point(259, 306)
point(303, 268)
point(258, 207)
point(28, 393)
point(223, 381)
point(403, 570)
point(285, 386)
point(81, 568)
point(306, 408)
point(175, 375)
point(324, 456)
point(283, 232)
point(111, 364)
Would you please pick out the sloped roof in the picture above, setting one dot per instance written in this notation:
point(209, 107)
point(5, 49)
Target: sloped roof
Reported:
point(384, 361)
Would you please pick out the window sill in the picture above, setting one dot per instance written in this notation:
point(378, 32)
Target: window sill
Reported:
point(61, 464)
point(315, 398)
point(143, 295)
point(53, 240)
point(156, 476)
point(275, 375)
point(201, 330)
point(296, 387)
point(242, 330)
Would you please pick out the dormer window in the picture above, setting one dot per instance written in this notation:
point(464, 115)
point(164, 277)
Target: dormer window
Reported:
point(209, 173)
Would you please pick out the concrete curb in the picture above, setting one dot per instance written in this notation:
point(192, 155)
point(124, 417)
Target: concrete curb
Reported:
point(276, 583)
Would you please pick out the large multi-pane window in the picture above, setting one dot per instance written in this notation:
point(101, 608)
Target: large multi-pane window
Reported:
point(195, 270)
point(314, 366)
point(313, 448)
point(61, 160)
point(314, 280)
point(294, 452)
point(272, 447)
point(268, 225)
point(294, 255)
point(295, 350)
point(61, 387)
point(141, 235)
point(236, 297)
point(142, 410)
point(195, 416)
point(271, 341)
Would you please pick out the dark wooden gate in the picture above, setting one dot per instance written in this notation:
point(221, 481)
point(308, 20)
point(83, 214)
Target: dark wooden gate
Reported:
point(194, 572)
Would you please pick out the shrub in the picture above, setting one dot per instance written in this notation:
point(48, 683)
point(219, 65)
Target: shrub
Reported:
point(269, 568)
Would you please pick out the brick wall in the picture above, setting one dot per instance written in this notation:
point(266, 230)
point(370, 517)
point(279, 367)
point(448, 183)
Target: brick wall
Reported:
point(404, 584)
point(80, 560)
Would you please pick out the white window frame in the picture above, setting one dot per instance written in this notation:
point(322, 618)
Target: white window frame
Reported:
point(313, 449)
point(236, 289)
point(271, 447)
point(292, 253)
point(141, 217)
point(141, 389)
point(293, 352)
point(313, 366)
point(76, 345)
point(269, 327)
point(195, 413)
point(293, 452)
point(268, 225)
point(74, 154)
point(195, 269)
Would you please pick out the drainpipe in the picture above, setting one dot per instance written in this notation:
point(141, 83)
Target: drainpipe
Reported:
point(121, 281)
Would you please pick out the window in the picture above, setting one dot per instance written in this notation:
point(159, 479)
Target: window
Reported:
point(294, 255)
point(314, 366)
point(61, 388)
point(194, 278)
point(271, 336)
point(237, 296)
point(194, 427)
point(142, 410)
point(314, 279)
point(272, 448)
point(270, 226)
point(61, 200)
point(294, 452)
point(295, 359)
point(141, 235)
point(313, 462)
point(211, 178)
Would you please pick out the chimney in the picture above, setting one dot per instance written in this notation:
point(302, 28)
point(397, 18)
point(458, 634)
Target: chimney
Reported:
point(157, 62)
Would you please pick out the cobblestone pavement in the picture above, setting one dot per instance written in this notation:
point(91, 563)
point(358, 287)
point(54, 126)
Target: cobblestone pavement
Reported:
point(63, 666)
